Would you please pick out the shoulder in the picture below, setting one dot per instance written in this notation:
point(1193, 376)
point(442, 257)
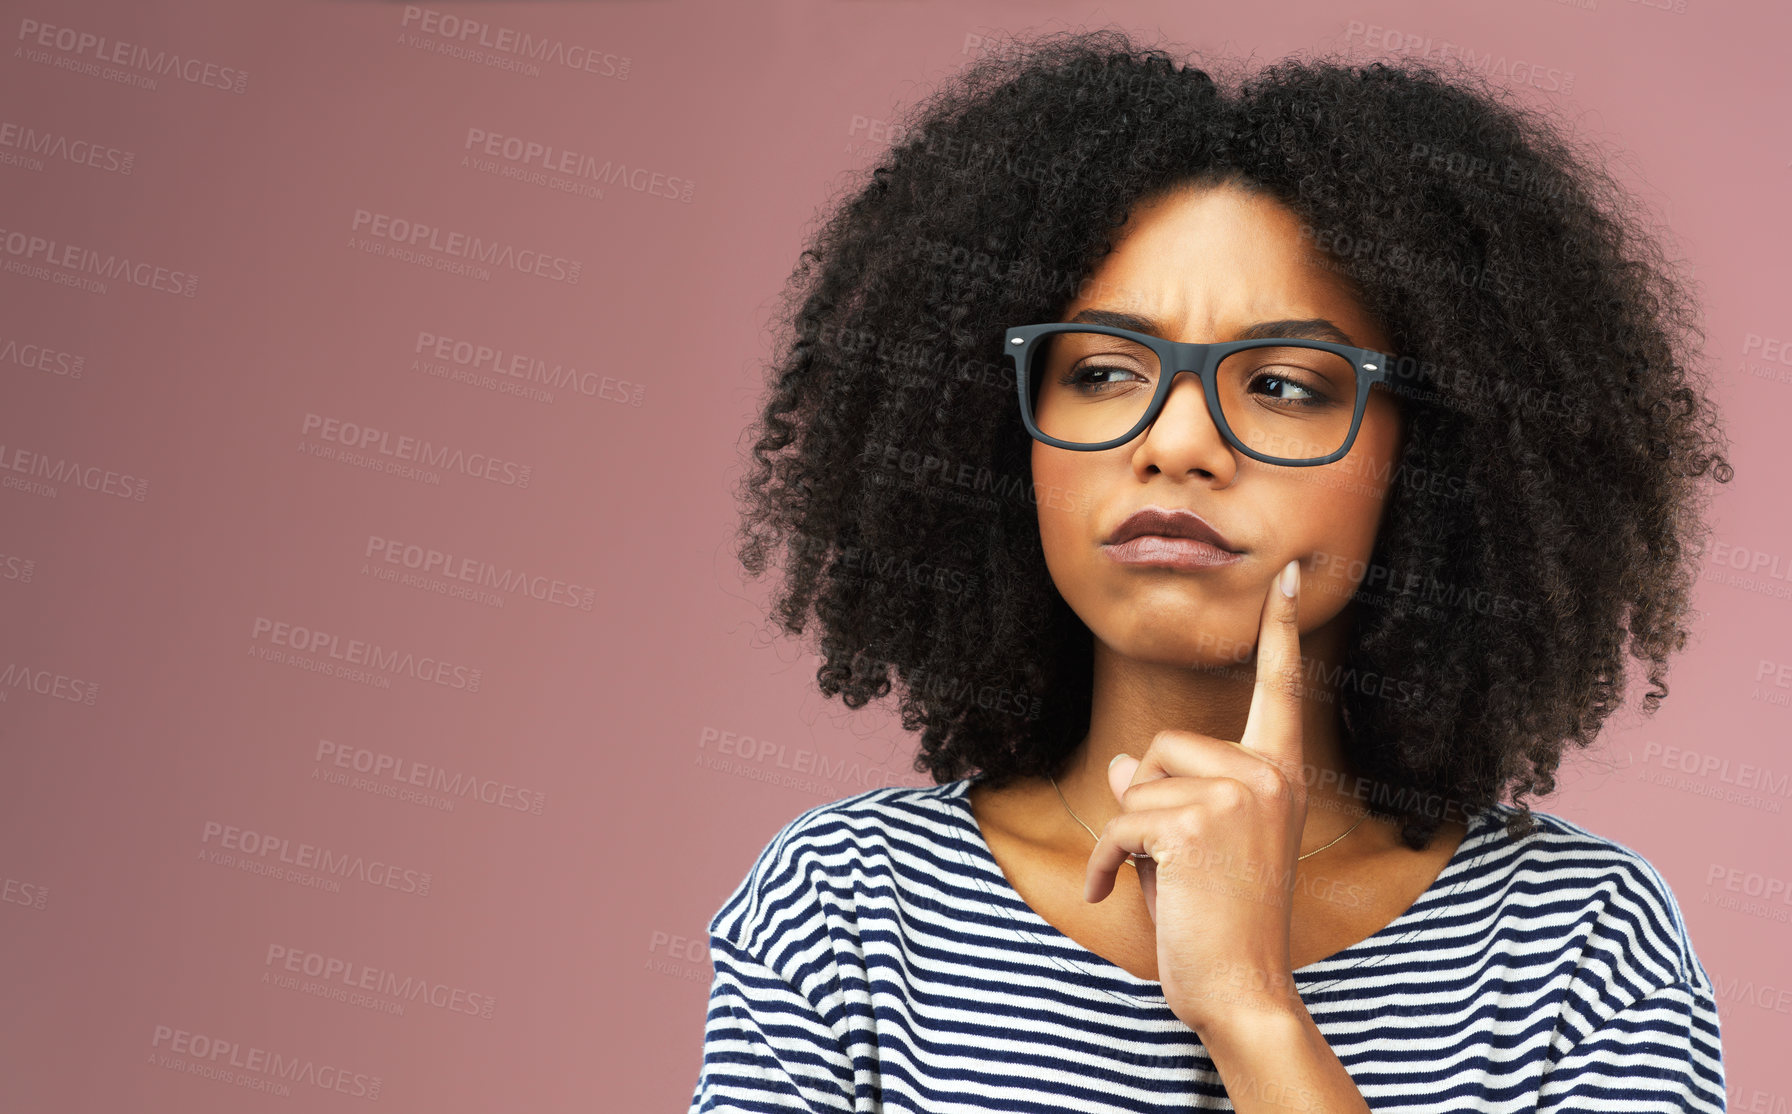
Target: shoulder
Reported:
point(854, 845)
point(1610, 901)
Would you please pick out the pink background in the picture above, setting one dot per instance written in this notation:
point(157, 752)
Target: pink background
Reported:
point(636, 739)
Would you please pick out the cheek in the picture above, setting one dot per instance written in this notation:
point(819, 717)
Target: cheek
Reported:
point(1061, 498)
point(1341, 512)
point(1050, 471)
point(1342, 537)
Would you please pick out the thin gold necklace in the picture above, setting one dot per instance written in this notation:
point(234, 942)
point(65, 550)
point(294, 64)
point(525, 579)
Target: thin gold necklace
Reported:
point(1129, 858)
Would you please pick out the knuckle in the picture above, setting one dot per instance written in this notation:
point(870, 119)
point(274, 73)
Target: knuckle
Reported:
point(1268, 782)
point(1291, 676)
point(1230, 794)
point(1186, 827)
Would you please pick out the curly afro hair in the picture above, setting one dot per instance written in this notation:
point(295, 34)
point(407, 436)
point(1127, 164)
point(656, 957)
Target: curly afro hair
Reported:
point(1555, 433)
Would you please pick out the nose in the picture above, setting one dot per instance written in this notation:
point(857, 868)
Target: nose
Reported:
point(1186, 405)
point(1184, 437)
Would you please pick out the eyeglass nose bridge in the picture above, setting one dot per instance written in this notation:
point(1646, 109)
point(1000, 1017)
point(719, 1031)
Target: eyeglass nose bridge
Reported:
point(1198, 370)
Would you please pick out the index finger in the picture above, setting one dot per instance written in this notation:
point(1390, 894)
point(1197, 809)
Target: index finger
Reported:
point(1273, 725)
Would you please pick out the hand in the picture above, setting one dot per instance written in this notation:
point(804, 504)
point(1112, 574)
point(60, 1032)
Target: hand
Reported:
point(1222, 823)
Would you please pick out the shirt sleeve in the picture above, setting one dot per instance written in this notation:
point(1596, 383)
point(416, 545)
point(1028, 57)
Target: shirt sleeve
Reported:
point(1662, 1052)
point(766, 1045)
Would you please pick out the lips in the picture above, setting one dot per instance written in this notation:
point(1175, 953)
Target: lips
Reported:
point(1170, 523)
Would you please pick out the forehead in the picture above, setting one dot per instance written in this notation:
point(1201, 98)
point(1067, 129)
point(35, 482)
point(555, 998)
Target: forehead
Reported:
point(1206, 261)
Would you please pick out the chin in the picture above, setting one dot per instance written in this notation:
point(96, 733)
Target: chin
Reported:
point(1165, 638)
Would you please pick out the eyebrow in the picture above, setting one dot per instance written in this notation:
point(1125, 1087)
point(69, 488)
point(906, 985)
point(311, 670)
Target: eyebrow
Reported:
point(1309, 328)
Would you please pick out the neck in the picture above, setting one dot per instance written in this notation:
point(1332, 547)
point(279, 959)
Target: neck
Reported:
point(1132, 700)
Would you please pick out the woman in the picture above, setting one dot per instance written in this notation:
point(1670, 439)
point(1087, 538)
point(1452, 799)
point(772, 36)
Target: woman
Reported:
point(1222, 678)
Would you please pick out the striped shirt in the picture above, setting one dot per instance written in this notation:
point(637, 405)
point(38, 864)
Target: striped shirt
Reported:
point(875, 957)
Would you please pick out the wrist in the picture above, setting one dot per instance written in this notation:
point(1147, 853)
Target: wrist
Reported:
point(1266, 1025)
point(1238, 1023)
point(1235, 997)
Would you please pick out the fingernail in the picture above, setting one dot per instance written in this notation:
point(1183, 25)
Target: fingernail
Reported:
point(1290, 575)
point(1115, 759)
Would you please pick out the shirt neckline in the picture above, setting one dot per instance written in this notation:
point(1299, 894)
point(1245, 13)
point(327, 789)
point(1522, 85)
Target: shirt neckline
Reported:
point(955, 802)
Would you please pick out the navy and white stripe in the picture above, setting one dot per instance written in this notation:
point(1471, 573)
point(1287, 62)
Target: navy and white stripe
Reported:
point(876, 958)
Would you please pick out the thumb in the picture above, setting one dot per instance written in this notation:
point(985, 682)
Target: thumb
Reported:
point(1120, 771)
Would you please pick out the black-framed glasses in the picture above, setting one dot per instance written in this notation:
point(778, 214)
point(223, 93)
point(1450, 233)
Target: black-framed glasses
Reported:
point(1280, 400)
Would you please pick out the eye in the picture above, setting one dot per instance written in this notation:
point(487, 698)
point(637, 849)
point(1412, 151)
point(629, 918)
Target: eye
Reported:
point(1300, 392)
point(1085, 375)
